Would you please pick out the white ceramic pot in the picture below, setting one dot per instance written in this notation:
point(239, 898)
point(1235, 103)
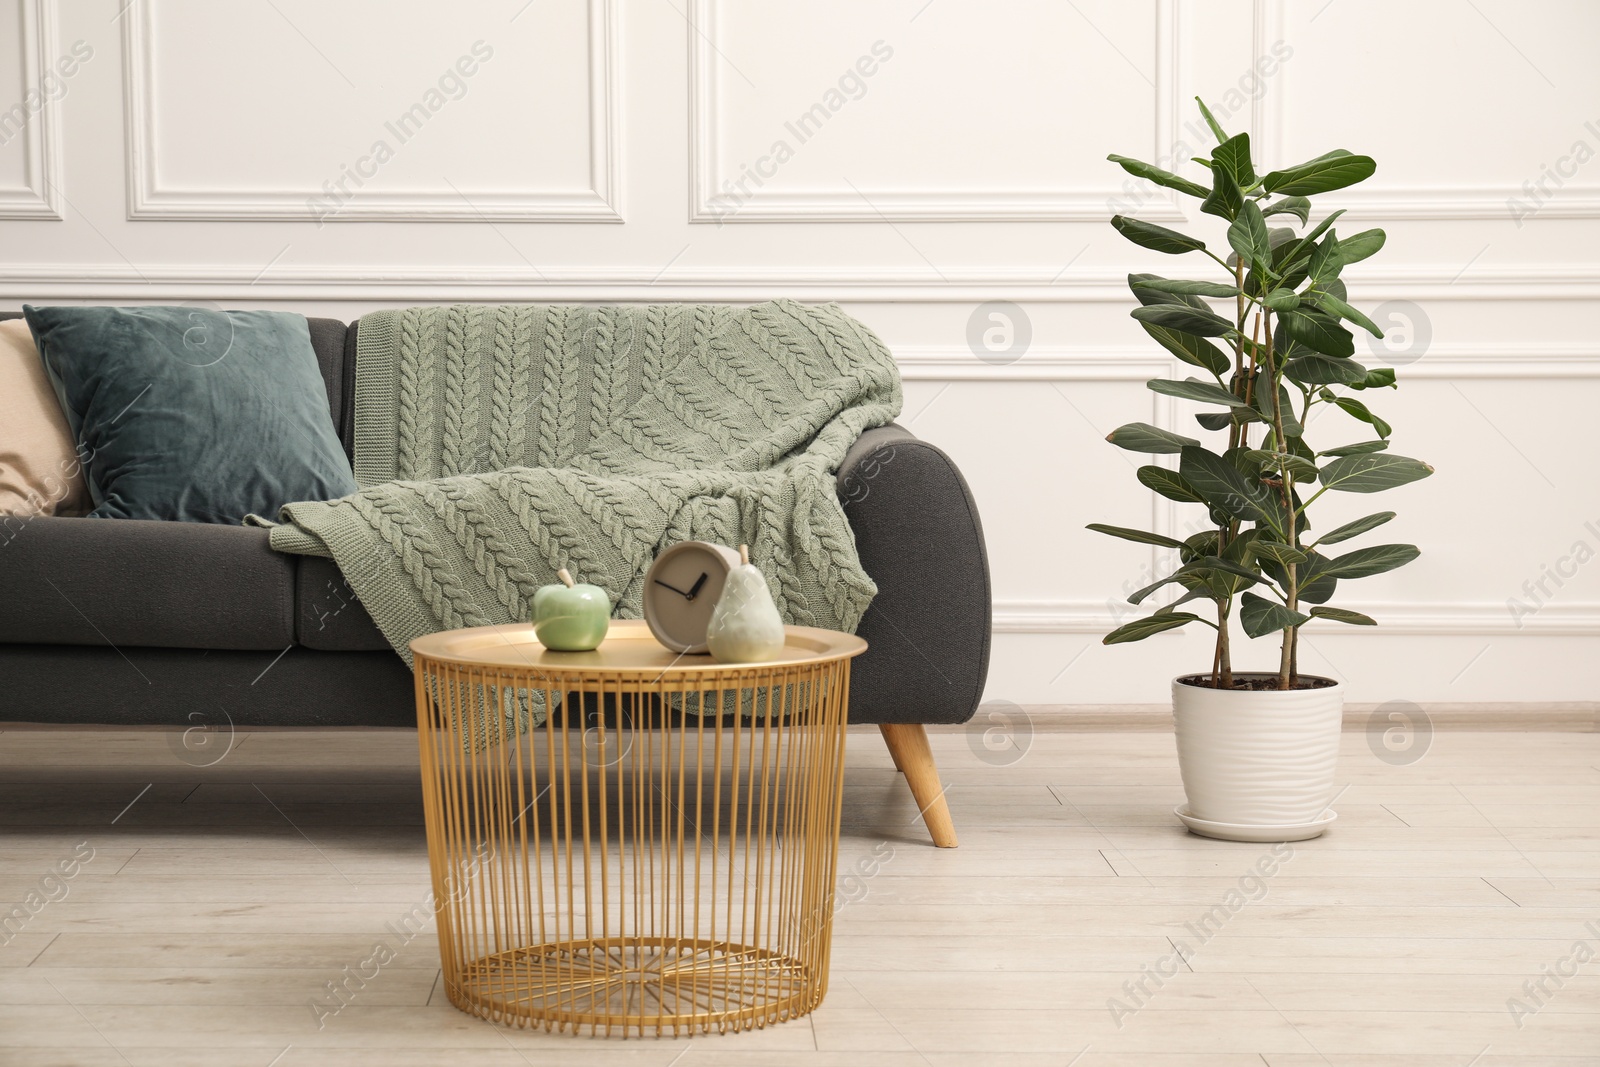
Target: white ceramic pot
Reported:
point(1257, 765)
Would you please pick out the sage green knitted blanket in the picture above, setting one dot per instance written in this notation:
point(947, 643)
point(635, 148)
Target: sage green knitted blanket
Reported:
point(497, 444)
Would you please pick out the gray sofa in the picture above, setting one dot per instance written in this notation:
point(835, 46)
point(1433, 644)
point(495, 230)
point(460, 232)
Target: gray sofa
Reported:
point(111, 621)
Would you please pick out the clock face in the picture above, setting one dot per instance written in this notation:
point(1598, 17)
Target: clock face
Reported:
point(682, 588)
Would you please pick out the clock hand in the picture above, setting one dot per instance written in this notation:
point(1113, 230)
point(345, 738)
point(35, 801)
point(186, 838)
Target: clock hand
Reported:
point(694, 590)
point(675, 589)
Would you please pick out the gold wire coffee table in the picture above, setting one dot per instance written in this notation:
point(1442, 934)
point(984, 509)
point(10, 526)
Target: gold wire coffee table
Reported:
point(658, 855)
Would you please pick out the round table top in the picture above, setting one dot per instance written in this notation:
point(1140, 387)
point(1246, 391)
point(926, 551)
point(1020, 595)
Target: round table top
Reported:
point(629, 648)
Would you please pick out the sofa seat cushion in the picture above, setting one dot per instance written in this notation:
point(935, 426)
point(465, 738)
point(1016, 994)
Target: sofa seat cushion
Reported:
point(139, 583)
point(328, 617)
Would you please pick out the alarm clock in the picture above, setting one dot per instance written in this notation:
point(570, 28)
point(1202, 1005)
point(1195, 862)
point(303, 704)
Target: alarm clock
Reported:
point(681, 590)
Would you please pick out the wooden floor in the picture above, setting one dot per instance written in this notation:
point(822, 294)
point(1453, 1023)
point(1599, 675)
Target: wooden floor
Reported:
point(219, 900)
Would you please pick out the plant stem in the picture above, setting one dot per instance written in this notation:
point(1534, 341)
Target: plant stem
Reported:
point(1224, 655)
point(1250, 379)
point(1286, 661)
point(1216, 655)
point(1222, 661)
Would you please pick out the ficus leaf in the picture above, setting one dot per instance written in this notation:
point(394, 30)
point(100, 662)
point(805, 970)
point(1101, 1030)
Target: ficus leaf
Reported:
point(1356, 528)
point(1139, 629)
point(1184, 318)
point(1138, 596)
point(1325, 173)
point(1150, 172)
point(1211, 121)
point(1193, 594)
point(1355, 249)
point(1280, 552)
point(1371, 473)
point(1248, 235)
point(1302, 469)
point(1331, 303)
point(1377, 378)
point(1244, 460)
point(1264, 405)
point(1357, 449)
point(1225, 198)
point(1183, 286)
point(1194, 389)
point(1364, 562)
point(1324, 265)
point(1169, 484)
point(1354, 618)
point(1228, 490)
point(1233, 155)
point(1141, 536)
point(1143, 437)
point(1156, 238)
point(1239, 547)
point(1298, 206)
point(1356, 409)
point(1301, 249)
point(1191, 348)
point(1319, 332)
point(1148, 296)
point(1315, 586)
point(1317, 369)
point(1260, 616)
point(1282, 300)
point(1226, 566)
point(1284, 242)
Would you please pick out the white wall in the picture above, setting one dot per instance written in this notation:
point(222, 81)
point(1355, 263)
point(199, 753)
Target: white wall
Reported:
point(585, 159)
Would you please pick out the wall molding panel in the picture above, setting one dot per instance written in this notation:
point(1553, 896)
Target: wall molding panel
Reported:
point(911, 204)
point(150, 198)
point(40, 195)
point(1409, 618)
point(1111, 363)
point(1465, 203)
point(120, 281)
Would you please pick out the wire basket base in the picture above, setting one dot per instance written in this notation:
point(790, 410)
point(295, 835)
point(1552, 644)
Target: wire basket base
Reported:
point(649, 985)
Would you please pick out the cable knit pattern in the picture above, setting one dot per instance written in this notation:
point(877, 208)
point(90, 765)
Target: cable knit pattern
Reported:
point(392, 516)
point(613, 340)
point(409, 357)
point(505, 388)
point(649, 426)
point(556, 417)
point(455, 391)
point(655, 345)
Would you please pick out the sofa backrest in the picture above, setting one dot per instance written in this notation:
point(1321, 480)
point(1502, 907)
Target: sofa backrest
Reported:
point(336, 355)
point(334, 343)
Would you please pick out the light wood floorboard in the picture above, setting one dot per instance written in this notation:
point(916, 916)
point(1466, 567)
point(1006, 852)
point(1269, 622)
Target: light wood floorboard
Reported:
point(220, 899)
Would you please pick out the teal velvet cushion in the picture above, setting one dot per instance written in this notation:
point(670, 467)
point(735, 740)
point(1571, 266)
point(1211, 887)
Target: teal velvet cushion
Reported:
point(191, 414)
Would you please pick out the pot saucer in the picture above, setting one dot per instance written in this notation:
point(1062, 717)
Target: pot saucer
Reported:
point(1232, 831)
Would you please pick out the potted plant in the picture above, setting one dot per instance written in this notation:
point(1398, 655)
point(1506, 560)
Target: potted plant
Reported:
point(1257, 749)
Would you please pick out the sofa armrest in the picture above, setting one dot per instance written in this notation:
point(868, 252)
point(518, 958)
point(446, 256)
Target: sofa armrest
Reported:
point(919, 537)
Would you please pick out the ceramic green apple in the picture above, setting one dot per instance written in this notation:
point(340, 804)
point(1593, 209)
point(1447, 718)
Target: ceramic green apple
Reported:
point(745, 625)
point(570, 617)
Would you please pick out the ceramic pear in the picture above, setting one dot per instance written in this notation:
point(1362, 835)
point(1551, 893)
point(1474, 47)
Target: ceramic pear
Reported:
point(745, 625)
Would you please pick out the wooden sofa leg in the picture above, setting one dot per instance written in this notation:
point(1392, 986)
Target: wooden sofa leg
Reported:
point(908, 744)
point(893, 754)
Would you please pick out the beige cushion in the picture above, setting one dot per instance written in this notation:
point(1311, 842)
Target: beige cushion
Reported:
point(39, 469)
